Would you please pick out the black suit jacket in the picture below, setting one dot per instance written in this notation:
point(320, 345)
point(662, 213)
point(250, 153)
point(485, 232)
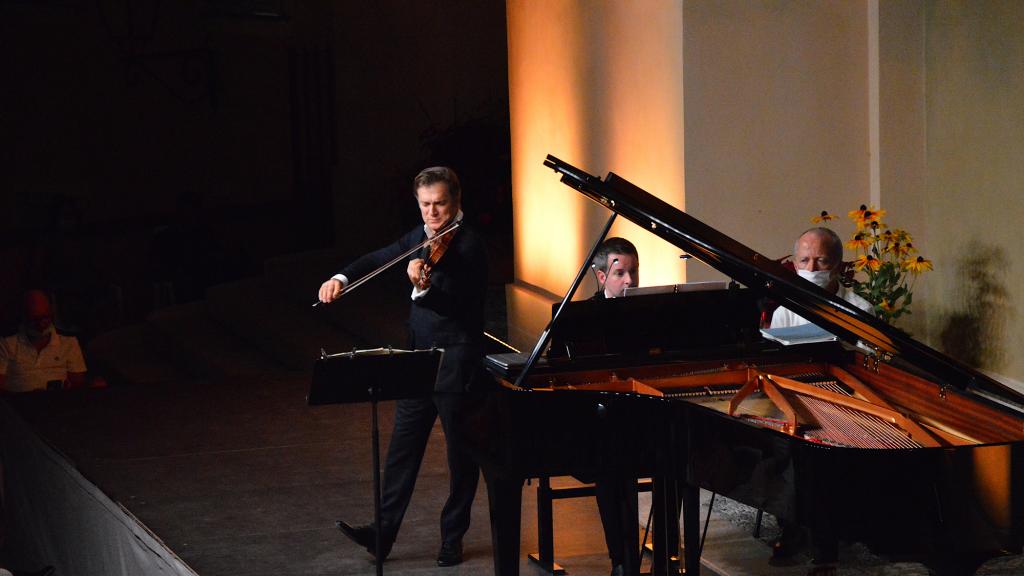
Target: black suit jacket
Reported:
point(451, 314)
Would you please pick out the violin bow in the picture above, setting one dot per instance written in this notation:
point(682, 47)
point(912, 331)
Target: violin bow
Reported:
point(447, 229)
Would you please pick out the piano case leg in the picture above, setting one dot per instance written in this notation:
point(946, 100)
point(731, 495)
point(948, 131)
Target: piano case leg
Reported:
point(505, 496)
point(691, 529)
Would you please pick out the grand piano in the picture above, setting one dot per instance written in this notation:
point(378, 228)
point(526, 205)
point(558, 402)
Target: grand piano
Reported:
point(875, 437)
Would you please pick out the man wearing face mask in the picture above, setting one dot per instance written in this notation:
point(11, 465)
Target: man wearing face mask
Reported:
point(817, 255)
point(37, 357)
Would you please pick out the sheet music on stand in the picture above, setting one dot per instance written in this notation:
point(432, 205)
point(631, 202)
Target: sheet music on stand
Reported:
point(676, 288)
point(803, 334)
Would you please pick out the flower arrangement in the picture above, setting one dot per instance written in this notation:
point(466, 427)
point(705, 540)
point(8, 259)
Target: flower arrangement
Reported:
point(887, 258)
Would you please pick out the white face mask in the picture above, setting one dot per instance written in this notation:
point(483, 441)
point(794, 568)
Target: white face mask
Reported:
point(820, 277)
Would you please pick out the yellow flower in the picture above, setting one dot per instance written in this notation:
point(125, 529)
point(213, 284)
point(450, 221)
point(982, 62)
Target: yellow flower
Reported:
point(887, 258)
point(902, 236)
point(866, 261)
point(823, 217)
point(866, 216)
point(918, 265)
point(861, 241)
point(901, 250)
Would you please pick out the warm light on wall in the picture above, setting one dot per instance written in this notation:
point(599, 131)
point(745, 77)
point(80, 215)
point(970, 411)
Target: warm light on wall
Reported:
point(600, 85)
point(544, 91)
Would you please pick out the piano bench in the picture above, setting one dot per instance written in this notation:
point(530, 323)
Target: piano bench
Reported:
point(546, 495)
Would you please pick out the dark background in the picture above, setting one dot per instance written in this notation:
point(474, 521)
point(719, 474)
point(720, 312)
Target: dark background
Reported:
point(154, 149)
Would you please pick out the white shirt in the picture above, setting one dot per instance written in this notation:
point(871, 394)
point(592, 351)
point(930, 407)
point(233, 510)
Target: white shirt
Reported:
point(29, 369)
point(784, 317)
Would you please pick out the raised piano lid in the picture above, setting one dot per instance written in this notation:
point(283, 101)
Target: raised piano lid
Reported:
point(768, 276)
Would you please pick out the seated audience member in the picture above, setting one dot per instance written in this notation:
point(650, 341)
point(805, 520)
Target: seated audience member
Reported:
point(817, 255)
point(617, 267)
point(37, 357)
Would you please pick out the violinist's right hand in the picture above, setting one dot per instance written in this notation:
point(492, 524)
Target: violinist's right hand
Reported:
point(331, 290)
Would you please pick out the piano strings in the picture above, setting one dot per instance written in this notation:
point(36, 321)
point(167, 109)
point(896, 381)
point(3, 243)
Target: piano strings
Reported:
point(818, 402)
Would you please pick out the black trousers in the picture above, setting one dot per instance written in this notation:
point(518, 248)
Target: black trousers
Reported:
point(611, 494)
point(414, 419)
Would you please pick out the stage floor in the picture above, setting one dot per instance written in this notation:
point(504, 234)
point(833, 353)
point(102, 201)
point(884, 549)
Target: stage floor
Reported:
point(242, 478)
point(238, 476)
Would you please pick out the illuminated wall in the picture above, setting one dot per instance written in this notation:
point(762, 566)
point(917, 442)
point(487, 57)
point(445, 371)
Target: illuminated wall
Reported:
point(784, 109)
point(598, 84)
point(775, 125)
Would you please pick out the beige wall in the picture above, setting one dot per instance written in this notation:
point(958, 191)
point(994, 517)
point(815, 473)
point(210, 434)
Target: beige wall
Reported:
point(975, 174)
point(902, 135)
point(776, 117)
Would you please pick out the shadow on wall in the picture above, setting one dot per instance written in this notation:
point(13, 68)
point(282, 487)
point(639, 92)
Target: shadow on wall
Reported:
point(973, 332)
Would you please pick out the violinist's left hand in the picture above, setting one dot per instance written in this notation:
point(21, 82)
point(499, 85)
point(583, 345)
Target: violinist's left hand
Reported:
point(419, 273)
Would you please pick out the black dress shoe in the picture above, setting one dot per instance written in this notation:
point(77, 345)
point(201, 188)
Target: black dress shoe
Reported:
point(450, 554)
point(366, 536)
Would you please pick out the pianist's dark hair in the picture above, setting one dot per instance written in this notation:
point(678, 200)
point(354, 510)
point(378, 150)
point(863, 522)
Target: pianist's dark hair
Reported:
point(436, 174)
point(835, 243)
point(613, 245)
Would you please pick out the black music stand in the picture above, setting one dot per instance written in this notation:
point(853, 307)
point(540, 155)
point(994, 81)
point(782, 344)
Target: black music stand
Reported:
point(374, 376)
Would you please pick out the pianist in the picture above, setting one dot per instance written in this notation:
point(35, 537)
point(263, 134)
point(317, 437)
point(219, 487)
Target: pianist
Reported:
point(446, 311)
point(817, 255)
point(616, 266)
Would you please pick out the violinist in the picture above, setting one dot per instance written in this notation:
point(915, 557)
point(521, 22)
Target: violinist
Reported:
point(448, 283)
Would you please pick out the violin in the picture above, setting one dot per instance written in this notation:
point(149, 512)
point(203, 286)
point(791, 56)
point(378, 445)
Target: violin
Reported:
point(438, 246)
